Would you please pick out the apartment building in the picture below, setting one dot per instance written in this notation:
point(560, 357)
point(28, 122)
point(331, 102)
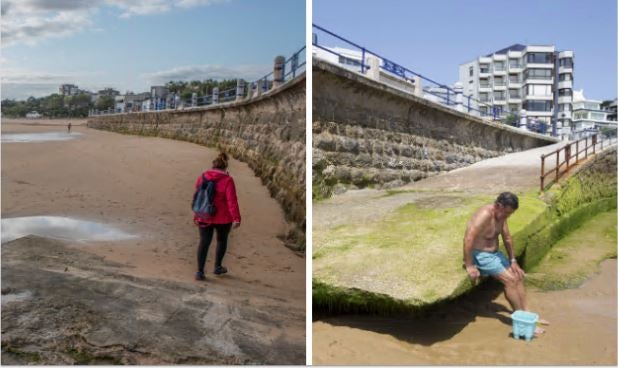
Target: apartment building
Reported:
point(534, 78)
point(588, 117)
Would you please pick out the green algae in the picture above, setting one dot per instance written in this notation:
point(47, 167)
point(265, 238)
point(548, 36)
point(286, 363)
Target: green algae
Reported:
point(411, 259)
point(573, 259)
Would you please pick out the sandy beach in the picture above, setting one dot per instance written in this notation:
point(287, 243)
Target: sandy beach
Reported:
point(476, 330)
point(144, 186)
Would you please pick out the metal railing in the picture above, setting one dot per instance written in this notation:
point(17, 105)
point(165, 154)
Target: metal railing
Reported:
point(570, 155)
point(291, 67)
point(444, 94)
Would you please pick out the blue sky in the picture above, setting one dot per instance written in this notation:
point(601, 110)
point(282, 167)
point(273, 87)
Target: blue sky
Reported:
point(132, 44)
point(434, 37)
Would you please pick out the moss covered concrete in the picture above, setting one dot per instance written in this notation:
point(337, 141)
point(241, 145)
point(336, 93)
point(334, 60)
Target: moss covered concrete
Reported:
point(576, 257)
point(412, 258)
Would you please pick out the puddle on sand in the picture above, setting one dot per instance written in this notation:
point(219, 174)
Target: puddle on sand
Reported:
point(38, 137)
point(16, 297)
point(62, 228)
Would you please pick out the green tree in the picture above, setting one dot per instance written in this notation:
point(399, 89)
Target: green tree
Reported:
point(104, 103)
point(511, 119)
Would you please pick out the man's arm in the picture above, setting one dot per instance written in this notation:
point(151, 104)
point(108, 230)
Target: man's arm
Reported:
point(472, 231)
point(508, 244)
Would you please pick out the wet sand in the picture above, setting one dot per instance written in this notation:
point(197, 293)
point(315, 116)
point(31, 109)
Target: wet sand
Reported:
point(144, 186)
point(476, 330)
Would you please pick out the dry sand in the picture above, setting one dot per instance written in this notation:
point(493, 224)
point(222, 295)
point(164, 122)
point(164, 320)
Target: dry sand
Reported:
point(144, 186)
point(583, 331)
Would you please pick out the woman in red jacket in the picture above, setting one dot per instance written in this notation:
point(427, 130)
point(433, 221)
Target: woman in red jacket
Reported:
point(226, 217)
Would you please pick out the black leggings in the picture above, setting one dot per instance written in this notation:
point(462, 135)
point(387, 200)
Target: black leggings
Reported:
point(206, 232)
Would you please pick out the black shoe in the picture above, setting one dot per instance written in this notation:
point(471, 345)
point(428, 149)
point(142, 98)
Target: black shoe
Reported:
point(199, 276)
point(220, 270)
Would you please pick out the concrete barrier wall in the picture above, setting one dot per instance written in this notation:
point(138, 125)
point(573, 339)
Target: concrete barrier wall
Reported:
point(368, 133)
point(267, 132)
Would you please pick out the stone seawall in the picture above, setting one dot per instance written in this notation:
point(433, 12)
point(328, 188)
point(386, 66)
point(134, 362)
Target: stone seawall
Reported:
point(267, 132)
point(366, 133)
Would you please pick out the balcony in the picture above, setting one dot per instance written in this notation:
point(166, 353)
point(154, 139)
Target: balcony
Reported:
point(565, 84)
point(565, 99)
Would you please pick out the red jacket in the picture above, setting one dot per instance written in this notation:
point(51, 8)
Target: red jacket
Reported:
point(226, 203)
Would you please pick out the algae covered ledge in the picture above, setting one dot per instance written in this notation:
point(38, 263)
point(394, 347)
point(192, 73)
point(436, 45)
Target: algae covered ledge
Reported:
point(411, 259)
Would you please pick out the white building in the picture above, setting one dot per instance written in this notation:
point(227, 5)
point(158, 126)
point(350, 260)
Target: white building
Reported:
point(588, 118)
point(68, 89)
point(534, 78)
point(33, 115)
point(119, 104)
point(373, 67)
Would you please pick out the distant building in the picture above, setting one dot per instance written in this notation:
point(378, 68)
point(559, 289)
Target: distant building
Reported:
point(119, 104)
point(33, 115)
point(158, 95)
point(535, 78)
point(133, 102)
point(108, 92)
point(612, 110)
point(68, 90)
point(588, 118)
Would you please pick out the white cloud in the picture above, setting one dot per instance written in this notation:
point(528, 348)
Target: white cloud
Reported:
point(30, 21)
point(201, 72)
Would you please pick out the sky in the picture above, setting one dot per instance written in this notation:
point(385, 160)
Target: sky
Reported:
point(433, 37)
point(133, 44)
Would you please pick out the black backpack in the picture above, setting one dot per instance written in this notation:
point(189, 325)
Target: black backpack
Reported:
point(203, 198)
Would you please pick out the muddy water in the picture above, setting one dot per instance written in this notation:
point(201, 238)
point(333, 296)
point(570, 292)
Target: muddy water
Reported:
point(476, 330)
point(62, 228)
point(39, 137)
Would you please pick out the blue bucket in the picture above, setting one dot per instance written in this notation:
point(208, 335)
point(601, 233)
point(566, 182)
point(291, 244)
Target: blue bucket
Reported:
point(524, 324)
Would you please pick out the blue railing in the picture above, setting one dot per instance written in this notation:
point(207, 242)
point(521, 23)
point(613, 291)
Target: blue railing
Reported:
point(354, 56)
point(294, 66)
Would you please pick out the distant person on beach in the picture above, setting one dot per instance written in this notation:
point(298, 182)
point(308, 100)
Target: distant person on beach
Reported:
point(226, 217)
point(482, 256)
point(69, 128)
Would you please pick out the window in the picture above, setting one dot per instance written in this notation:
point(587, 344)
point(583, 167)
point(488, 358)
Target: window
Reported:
point(565, 77)
point(514, 108)
point(483, 110)
point(539, 57)
point(565, 92)
point(514, 93)
point(597, 115)
point(566, 62)
point(538, 90)
point(484, 68)
point(564, 107)
point(580, 115)
point(514, 63)
point(484, 97)
point(498, 81)
point(514, 78)
point(484, 82)
point(499, 66)
point(471, 71)
point(348, 61)
point(543, 74)
point(536, 105)
point(499, 95)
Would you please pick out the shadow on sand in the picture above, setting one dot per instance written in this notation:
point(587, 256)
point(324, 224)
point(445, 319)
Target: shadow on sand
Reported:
point(436, 324)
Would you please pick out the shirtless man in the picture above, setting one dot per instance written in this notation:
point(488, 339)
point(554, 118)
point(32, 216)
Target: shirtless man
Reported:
point(482, 256)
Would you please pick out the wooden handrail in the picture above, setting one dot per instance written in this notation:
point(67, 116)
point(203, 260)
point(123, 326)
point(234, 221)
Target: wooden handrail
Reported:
point(587, 143)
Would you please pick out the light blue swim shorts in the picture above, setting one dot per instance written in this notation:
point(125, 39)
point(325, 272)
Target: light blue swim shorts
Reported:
point(490, 263)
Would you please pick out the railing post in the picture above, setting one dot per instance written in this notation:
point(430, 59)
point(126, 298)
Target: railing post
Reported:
point(294, 65)
point(240, 89)
point(458, 96)
point(278, 71)
point(557, 165)
point(259, 87)
point(542, 172)
point(418, 87)
point(469, 107)
point(215, 95)
point(363, 61)
point(523, 119)
point(594, 143)
point(567, 155)
point(193, 99)
point(448, 97)
point(576, 151)
point(374, 68)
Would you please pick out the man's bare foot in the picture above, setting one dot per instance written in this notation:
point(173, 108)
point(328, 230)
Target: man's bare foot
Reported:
point(539, 331)
point(543, 322)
